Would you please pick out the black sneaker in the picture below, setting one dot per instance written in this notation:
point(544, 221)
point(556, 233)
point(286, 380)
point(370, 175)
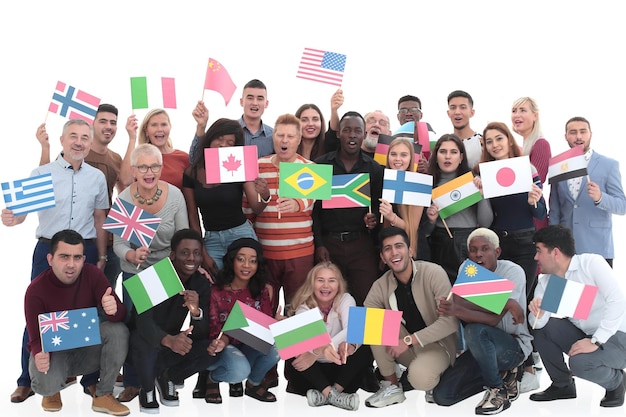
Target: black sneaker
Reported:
point(147, 402)
point(404, 381)
point(167, 390)
point(494, 401)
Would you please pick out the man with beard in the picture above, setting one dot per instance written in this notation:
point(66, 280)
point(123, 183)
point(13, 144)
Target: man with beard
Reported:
point(345, 236)
point(460, 111)
point(81, 204)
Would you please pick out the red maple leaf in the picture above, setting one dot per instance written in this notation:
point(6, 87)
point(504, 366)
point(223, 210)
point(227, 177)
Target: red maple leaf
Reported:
point(231, 164)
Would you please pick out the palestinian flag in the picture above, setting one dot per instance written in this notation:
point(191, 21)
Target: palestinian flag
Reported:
point(250, 326)
point(153, 285)
point(300, 333)
point(456, 195)
point(349, 190)
point(482, 287)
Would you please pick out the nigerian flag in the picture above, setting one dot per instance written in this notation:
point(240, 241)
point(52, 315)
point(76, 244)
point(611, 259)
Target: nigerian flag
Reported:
point(153, 285)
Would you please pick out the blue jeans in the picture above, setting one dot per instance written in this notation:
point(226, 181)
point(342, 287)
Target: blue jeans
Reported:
point(112, 269)
point(494, 351)
point(216, 242)
point(232, 368)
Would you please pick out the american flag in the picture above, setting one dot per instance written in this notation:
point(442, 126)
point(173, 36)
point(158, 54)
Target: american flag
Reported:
point(69, 329)
point(131, 223)
point(322, 66)
point(73, 103)
point(29, 194)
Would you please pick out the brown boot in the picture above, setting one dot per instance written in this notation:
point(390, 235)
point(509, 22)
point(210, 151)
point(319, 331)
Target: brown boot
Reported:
point(52, 403)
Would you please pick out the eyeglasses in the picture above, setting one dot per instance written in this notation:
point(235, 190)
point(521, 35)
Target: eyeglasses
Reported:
point(144, 168)
point(381, 122)
point(409, 110)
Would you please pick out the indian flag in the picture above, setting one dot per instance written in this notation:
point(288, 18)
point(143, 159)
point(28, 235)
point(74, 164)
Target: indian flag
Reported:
point(153, 285)
point(300, 333)
point(250, 326)
point(373, 326)
point(456, 195)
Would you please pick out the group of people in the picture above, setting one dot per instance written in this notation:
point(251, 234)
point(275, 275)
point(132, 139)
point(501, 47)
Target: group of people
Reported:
point(243, 242)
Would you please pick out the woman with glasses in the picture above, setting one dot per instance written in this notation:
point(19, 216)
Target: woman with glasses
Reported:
point(163, 200)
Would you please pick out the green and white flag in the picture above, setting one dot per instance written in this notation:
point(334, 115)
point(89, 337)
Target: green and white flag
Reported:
point(456, 195)
point(153, 285)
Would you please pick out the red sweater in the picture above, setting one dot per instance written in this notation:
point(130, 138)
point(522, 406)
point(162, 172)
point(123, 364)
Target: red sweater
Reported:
point(47, 294)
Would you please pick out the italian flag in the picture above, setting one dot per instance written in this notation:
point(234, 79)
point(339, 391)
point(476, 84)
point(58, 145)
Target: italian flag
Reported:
point(153, 285)
point(300, 333)
point(456, 195)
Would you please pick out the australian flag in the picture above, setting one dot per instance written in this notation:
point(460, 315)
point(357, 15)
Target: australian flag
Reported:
point(69, 329)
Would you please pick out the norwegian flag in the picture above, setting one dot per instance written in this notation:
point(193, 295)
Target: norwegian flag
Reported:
point(70, 102)
point(54, 321)
point(131, 223)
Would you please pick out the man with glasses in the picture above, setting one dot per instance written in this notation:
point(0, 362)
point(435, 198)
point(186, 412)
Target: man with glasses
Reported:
point(410, 110)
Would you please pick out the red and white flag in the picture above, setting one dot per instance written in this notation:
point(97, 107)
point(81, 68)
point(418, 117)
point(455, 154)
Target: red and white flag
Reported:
point(506, 176)
point(231, 164)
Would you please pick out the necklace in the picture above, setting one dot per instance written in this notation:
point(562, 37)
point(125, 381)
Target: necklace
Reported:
point(149, 201)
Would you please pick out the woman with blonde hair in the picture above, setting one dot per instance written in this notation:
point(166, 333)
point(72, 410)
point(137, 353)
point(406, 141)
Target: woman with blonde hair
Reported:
point(401, 156)
point(525, 122)
point(331, 374)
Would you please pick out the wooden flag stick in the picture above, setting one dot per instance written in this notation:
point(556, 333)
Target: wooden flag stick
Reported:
point(345, 356)
point(258, 197)
point(447, 229)
point(535, 321)
point(449, 296)
point(382, 218)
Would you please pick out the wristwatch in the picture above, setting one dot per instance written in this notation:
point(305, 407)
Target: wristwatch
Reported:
point(408, 340)
point(596, 342)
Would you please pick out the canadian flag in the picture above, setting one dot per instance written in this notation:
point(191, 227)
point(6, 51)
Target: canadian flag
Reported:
point(231, 164)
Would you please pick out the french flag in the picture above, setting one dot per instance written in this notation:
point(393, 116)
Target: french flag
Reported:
point(568, 298)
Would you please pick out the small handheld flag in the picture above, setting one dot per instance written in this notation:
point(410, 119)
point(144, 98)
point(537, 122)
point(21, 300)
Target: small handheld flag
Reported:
point(153, 285)
point(506, 176)
point(217, 79)
point(568, 298)
point(29, 194)
point(349, 190)
point(250, 326)
point(312, 181)
point(456, 195)
point(569, 164)
point(300, 333)
point(131, 223)
point(373, 326)
point(231, 164)
point(406, 187)
point(69, 329)
point(322, 66)
point(482, 287)
point(70, 102)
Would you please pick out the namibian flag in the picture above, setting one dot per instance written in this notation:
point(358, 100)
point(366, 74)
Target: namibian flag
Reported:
point(373, 326)
point(153, 285)
point(568, 298)
point(312, 181)
point(456, 195)
point(349, 190)
point(482, 287)
point(250, 326)
point(300, 333)
point(569, 164)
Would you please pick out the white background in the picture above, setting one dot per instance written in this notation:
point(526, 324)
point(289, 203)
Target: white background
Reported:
point(568, 55)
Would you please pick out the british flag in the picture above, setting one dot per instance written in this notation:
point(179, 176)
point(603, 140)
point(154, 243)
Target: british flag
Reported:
point(54, 321)
point(70, 102)
point(131, 223)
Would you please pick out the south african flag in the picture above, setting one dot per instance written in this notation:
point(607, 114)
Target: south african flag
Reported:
point(349, 190)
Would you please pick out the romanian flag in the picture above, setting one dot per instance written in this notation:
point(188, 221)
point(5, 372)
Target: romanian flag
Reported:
point(231, 164)
point(373, 326)
point(250, 326)
point(568, 298)
point(406, 187)
point(300, 333)
point(70, 329)
point(569, 164)
point(349, 190)
point(456, 195)
point(312, 181)
point(482, 287)
point(153, 285)
point(217, 79)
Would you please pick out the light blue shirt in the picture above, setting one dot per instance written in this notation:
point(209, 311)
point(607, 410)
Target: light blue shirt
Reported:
point(262, 138)
point(77, 194)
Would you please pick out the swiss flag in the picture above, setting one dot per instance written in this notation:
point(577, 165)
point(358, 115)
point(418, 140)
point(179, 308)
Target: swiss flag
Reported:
point(231, 164)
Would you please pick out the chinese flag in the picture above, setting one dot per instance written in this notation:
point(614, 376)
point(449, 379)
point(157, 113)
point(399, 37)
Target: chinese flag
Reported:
point(217, 79)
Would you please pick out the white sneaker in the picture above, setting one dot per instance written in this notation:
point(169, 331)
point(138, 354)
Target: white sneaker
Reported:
point(388, 394)
point(530, 382)
point(343, 400)
point(537, 361)
point(315, 398)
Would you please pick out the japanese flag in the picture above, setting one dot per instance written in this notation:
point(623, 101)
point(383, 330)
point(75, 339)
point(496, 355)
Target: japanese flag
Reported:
point(231, 164)
point(506, 176)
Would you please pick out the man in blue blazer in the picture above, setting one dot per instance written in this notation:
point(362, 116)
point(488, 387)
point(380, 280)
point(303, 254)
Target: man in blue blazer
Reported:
point(586, 204)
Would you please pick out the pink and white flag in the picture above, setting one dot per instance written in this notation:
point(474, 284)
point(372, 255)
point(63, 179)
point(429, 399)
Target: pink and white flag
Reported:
point(231, 164)
point(506, 176)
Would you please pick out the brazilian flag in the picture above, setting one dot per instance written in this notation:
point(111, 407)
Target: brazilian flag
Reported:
point(350, 190)
point(313, 181)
